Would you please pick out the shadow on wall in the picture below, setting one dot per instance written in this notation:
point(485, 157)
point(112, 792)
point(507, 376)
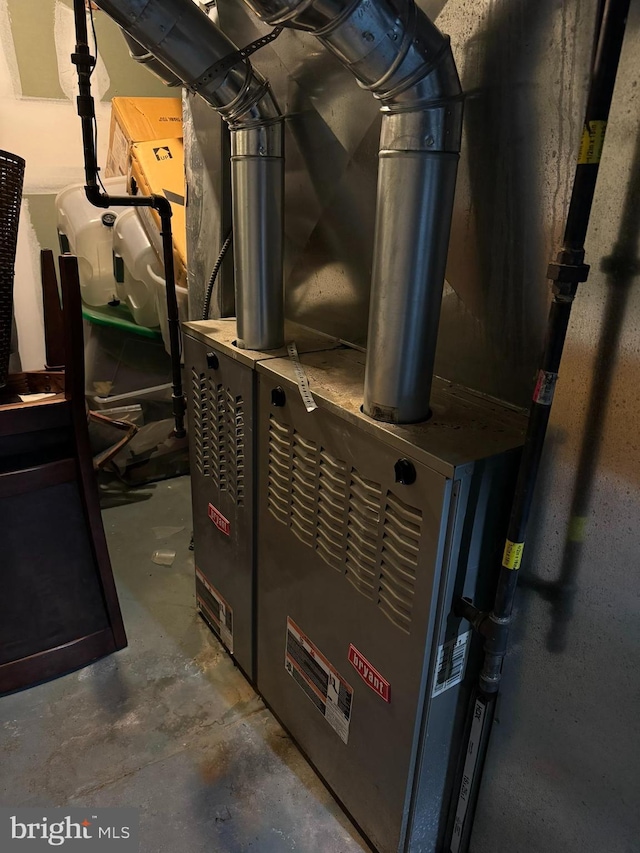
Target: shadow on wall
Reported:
point(333, 130)
point(523, 67)
point(622, 268)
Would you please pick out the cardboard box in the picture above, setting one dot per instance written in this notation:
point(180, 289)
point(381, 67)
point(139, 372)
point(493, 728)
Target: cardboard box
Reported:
point(140, 120)
point(157, 167)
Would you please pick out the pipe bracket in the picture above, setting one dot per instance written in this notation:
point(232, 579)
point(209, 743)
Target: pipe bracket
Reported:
point(222, 66)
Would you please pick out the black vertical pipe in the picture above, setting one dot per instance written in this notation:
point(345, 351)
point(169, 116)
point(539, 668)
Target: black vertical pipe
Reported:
point(603, 78)
point(84, 62)
point(566, 272)
point(622, 267)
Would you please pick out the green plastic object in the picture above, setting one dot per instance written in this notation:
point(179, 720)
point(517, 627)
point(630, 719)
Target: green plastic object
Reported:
point(118, 317)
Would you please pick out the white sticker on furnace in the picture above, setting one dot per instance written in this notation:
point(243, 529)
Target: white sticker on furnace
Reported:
point(217, 610)
point(323, 685)
point(450, 665)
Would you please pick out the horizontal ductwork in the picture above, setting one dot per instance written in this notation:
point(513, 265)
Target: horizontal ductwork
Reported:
point(406, 62)
point(186, 43)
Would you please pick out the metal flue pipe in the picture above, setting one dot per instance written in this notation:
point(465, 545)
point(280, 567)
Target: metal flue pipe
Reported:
point(141, 55)
point(397, 53)
point(187, 42)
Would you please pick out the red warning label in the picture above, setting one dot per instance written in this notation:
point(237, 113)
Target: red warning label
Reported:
point(215, 609)
point(310, 669)
point(369, 675)
point(223, 524)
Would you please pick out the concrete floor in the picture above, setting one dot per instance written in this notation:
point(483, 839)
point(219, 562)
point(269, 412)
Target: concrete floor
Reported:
point(168, 725)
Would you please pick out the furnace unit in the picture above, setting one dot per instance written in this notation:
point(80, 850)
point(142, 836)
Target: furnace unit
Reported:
point(366, 532)
point(221, 384)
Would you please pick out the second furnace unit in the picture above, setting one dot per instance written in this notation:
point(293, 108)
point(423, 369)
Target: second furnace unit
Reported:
point(366, 532)
point(221, 383)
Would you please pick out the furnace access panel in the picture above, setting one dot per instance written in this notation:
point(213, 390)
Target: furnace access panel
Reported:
point(364, 532)
point(221, 388)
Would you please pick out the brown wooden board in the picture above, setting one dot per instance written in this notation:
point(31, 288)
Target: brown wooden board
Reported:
point(59, 608)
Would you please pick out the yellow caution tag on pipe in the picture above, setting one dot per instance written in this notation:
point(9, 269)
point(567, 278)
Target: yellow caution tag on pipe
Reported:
point(592, 142)
point(512, 556)
point(577, 527)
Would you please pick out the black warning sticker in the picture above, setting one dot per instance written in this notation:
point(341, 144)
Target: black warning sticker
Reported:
point(324, 686)
point(215, 609)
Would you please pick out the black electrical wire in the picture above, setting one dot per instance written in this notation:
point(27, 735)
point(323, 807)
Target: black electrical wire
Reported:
point(93, 68)
point(214, 275)
point(95, 39)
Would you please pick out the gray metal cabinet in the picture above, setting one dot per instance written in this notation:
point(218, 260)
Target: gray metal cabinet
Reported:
point(364, 532)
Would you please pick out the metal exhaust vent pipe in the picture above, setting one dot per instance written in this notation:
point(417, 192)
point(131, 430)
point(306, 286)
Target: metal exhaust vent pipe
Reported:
point(184, 40)
point(406, 62)
point(141, 55)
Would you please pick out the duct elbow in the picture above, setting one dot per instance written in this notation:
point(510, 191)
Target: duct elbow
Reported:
point(185, 43)
point(95, 196)
point(180, 42)
point(426, 113)
point(404, 60)
point(395, 52)
point(391, 48)
point(254, 107)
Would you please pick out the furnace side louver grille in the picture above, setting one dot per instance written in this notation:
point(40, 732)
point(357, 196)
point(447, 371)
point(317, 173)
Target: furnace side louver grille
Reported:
point(219, 435)
point(280, 451)
point(400, 552)
point(219, 430)
point(234, 446)
point(362, 534)
point(239, 423)
point(331, 507)
point(332, 502)
point(303, 489)
point(200, 421)
point(292, 486)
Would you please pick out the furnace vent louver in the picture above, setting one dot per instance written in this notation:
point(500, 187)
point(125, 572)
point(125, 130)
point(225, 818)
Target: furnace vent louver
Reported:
point(362, 534)
point(218, 434)
point(332, 502)
point(233, 446)
point(279, 470)
point(400, 551)
point(200, 426)
point(333, 508)
point(219, 461)
point(303, 489)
